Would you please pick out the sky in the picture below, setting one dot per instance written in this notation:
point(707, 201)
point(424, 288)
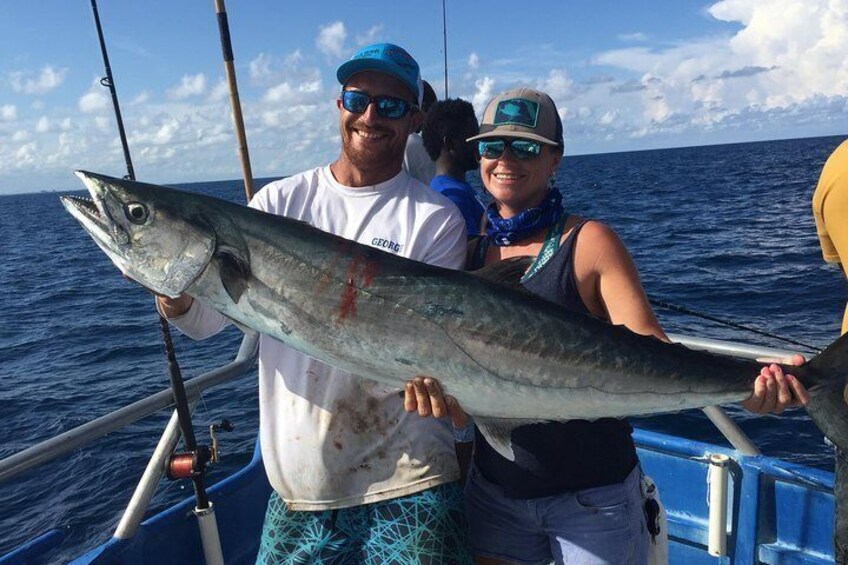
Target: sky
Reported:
point(625, 76)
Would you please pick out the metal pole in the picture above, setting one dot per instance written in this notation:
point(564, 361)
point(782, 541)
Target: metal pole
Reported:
point(238, 119)
point(146, 487)
point(730, 430)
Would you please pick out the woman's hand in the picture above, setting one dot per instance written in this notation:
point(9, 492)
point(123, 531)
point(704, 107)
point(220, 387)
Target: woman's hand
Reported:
point(775, 391)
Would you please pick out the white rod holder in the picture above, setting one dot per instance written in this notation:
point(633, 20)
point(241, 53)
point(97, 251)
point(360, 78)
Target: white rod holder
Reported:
point(717, 493)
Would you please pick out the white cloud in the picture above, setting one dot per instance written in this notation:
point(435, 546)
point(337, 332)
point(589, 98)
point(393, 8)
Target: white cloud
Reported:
point(483, 93)
point(46, 80)
point(260, 68)
point(221, 91)
point(309, 91)
point(279, 93)
point(370, 36)
point(633, 37)
point(609, 117)
point(806, 41)
point(331, 38)
point(219, 134)
point(189, 86)
point(140, 99)
point(95, 100)
point(8, 112)
point(104, 125)
point(166, 132)
point(42, 125)
point(26, 153)
point(161, 132)
point(20, 135)
point(785, 55)
point(473, 61)
point(266, 69)
point(292, 60)
point(557, 84)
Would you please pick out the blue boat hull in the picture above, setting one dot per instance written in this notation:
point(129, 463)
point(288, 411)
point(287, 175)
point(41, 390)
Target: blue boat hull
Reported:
point(780, 513)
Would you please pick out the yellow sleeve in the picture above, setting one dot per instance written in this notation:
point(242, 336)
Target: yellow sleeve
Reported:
point(827, 247)
point(830, 207)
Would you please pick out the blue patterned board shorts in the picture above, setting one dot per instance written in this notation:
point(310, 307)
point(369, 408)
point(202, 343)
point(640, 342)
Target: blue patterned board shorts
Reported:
point(427, 527)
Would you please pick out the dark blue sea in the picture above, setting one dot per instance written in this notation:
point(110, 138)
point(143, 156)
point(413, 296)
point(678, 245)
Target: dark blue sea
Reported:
point(722, 230)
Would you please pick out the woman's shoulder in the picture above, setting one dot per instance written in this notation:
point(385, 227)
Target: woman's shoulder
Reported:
point(597, 243)
point(590, 230)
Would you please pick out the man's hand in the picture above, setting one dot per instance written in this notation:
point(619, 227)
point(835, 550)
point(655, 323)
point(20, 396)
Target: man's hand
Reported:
point(424, 395)
point(174, 307)
point(775, 391)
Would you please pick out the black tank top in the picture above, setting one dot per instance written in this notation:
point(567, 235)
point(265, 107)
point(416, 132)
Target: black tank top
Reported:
point(554, 457)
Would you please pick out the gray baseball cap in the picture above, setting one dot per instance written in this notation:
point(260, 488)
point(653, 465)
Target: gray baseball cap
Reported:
point(524, 113)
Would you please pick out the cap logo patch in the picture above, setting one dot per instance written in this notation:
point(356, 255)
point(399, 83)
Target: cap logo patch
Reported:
point(517, 112)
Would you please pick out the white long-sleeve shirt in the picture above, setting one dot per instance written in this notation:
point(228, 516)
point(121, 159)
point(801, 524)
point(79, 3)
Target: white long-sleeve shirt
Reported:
point(331, 439)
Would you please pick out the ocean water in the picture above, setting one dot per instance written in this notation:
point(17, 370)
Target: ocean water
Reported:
point(722, 230)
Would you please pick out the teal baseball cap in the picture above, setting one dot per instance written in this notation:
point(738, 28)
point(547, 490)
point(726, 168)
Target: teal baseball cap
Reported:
point(384, 58)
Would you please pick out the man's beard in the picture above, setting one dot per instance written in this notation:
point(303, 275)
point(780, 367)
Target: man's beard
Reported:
point(372, 157)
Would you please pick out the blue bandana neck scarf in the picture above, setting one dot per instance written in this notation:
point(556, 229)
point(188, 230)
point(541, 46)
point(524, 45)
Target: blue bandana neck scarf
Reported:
point(503, 232)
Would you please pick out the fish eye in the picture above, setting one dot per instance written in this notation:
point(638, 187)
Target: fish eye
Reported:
point(136, 212)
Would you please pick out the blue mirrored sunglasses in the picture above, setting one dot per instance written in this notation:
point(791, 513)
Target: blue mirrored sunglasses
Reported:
point(386, 106)
point(522, 149)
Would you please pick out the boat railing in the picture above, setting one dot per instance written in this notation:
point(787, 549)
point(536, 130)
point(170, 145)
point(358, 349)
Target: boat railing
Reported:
point(244, 361)
point(729, 429)
point(99, 427)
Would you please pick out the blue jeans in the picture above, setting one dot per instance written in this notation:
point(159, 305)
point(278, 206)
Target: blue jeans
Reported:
point(603, 525)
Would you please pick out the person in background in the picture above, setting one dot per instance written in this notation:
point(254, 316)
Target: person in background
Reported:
point(415, 159)
point(449, 123)
point(830, 211)
point(574, 492)
point(356, 479)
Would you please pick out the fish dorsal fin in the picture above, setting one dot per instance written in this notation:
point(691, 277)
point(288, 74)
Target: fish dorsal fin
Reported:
point(508, 272)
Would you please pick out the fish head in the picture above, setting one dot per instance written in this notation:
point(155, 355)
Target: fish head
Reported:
point(145, 230)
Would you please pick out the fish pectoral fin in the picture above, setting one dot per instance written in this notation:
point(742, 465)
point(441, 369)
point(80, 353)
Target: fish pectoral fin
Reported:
point(244, 329)
point(234, 270)
point(498, 433)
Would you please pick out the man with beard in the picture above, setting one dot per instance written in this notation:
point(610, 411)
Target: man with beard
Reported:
point(356, 478)
point(449, 123)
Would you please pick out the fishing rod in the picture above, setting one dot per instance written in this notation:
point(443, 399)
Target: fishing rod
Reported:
point(191, 464)
point(109, 83)
point(683, 310)
point(445, 36)
point(235, 103)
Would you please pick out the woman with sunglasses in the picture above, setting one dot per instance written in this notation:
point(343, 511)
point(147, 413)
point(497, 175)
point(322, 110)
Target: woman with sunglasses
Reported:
point(573, 492)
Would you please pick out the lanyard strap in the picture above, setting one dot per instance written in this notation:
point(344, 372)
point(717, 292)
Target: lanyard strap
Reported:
point(549, 247)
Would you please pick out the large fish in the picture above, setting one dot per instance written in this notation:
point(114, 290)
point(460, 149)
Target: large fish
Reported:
point(508, 356)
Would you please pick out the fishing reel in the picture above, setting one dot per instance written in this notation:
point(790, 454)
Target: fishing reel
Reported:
point(191, 464)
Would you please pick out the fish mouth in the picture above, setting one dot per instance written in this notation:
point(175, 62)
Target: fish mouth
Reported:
point(94, 214)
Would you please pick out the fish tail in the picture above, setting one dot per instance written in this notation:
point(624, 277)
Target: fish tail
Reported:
point(829, 411)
